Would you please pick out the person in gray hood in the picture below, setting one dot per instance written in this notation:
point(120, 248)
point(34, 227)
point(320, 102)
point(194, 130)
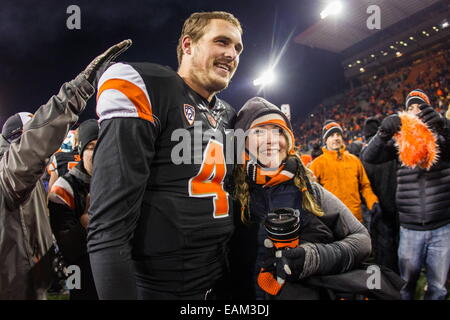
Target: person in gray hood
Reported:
point(26, 240)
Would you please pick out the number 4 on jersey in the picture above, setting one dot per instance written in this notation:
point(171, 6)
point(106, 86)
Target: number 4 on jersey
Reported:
point(209, 180)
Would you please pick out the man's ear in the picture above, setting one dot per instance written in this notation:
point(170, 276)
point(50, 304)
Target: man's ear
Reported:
point(186, 45)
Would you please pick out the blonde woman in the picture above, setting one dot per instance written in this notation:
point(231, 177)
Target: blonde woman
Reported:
point(270, 176)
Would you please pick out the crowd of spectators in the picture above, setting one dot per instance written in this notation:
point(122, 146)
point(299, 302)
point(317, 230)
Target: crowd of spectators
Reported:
point(379, 97)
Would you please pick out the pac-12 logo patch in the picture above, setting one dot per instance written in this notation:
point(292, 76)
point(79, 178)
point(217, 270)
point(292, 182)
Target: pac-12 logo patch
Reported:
point(212, 121)
point(189, 113)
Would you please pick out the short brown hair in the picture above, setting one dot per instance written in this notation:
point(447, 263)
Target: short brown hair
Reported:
point(194, 26)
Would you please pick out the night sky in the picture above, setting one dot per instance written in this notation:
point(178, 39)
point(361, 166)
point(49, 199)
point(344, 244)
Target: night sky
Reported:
point(38, 52)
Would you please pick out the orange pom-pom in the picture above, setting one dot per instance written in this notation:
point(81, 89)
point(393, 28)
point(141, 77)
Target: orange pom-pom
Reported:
point(416, 143)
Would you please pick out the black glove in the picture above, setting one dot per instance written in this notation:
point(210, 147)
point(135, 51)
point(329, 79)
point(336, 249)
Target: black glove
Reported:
point(376, 209)
point(433, 119)
point(59, 265)
point(105, 58)
point(375, 216)
point(267, 278)
point(290, 263)
point(389, 126)
point(268, 257)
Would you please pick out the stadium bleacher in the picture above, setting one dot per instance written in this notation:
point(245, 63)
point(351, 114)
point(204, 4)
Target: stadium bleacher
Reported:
point(379, 94)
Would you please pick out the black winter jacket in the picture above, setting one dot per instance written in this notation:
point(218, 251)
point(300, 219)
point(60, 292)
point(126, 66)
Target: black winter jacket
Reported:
point(423, 196)
point(66, 209)
point(383, 179)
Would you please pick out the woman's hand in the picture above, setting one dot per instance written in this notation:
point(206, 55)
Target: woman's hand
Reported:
point(290, 263)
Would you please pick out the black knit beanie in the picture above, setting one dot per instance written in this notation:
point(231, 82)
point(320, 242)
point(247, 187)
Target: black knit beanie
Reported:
point(87, 131)
point(330, 127)
point(416, 96)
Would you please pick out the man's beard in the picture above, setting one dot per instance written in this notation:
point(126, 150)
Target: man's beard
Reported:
point(209, 79)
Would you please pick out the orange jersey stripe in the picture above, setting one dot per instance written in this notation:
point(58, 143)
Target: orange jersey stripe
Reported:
point(64, 195)
point(133, 93)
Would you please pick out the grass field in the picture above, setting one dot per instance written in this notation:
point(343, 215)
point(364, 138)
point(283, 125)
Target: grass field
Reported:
point(419, 291)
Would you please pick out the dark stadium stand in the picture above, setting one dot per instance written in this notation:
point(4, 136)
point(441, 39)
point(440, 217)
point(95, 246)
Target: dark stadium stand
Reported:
point(412, 51)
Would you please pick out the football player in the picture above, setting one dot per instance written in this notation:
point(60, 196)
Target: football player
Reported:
point(157, 229)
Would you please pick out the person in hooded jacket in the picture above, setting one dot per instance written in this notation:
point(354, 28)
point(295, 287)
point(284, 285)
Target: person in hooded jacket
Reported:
point(270, 175)
point(68, 205)
point(26, 240)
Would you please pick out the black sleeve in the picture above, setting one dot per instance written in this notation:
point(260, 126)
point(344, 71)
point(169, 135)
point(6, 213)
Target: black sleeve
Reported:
point(444, 141)
point(69, 233)
point(378, 151)
point(122, 159)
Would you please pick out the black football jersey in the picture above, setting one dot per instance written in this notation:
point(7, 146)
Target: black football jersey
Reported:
point(62, 162)
point(161, 164)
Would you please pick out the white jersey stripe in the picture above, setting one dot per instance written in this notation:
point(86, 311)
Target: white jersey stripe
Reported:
point(114, 103)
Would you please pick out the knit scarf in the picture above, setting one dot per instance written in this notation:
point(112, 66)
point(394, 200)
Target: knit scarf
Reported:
point(269, 177)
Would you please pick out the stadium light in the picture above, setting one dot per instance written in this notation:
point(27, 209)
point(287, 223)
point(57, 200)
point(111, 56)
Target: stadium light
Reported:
point(444, 25)
point(268, 77)
point(332, 8)
point(362, 69)
point(398, 54)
